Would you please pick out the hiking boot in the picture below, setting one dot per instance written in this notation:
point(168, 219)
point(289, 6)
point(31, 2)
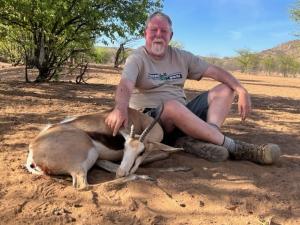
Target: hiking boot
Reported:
point(204, 150)
point(263, 154)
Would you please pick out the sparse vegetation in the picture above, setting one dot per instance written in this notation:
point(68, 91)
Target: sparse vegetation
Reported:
point(281, 60)
point(248, 60)
point(176, 44)
point(45, 35)
point(102, 55)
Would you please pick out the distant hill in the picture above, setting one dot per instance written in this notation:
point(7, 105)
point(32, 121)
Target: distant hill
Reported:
point(290, 48)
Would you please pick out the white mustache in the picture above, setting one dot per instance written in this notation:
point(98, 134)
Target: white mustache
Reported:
point(158, 40)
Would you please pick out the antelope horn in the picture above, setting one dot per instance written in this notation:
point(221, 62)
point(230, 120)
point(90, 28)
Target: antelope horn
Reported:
point(151, 125)
point(131, 135)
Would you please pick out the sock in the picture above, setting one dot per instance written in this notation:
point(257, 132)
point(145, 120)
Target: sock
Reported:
point(229, 144)
point(215, 126)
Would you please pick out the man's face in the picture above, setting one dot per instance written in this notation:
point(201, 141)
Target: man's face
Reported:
point(158, 35)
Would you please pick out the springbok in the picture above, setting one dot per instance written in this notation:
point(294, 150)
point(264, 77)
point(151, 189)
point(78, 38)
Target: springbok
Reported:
point(73, 146)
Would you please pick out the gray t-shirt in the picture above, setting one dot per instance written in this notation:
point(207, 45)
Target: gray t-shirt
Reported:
point(157, 81)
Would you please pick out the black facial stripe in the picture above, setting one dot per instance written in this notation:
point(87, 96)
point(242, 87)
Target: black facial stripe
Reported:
point(113, 142)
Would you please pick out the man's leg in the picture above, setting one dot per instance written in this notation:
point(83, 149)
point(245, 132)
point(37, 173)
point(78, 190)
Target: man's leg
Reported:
point(176, 115)
point(203, 149)
point(220, 99)
point(219, 102)
point(195, 121)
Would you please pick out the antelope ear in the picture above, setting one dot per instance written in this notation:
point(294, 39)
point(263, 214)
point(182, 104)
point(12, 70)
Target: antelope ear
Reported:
point(153, 145)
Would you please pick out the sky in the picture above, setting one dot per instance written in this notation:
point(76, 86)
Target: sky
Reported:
point(221, 27)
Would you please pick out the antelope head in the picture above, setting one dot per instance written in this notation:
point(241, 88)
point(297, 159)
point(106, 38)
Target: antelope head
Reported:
point(134, 148)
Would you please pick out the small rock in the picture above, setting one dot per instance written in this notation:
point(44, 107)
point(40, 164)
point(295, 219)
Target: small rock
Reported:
point(231, 207)
point(60, 211)
point(70, 219)
point(133, 206)
point(77, 205)
point(182, 205)
point(201, 203)
point(275, 221)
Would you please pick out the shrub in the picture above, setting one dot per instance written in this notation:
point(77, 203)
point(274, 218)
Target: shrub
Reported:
point(102, 55)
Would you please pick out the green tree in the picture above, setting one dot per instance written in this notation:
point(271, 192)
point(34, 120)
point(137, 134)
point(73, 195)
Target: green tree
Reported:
point(287, 65)
point(268, 64)
point(295, 68)
point(295, 11)
point(248, 60)
point(176, 44)
point(49, 32)
point(102, 55)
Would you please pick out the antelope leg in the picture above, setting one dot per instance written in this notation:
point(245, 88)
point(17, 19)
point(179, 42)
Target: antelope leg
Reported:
point(80, 180)
point(131, 177)
point(107, 165)
point(155, 157)
point(160, 146)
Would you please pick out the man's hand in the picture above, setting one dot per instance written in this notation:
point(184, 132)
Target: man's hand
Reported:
point(116, 119)
point(244, 103)
point(119, 116)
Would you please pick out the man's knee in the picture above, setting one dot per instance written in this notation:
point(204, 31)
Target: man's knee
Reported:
point(173, 111)
point(168, 116)
point(171, 106)
point(222, 91)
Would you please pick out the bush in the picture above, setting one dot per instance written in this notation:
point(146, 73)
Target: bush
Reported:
point(102, 55)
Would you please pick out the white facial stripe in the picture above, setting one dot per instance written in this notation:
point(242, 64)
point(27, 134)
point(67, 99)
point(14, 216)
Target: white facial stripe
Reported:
point(131, 153)
point(128, 159)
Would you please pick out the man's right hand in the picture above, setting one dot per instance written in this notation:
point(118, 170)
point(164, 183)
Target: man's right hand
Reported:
point(116, 119)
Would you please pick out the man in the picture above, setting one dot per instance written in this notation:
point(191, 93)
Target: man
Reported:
point(155, 74)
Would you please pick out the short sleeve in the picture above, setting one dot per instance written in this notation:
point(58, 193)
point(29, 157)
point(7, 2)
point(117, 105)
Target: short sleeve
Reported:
point(196, 67)
point(132, 68)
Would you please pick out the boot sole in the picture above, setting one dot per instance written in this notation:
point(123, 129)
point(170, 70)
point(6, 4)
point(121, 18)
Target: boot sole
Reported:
point(272, 154)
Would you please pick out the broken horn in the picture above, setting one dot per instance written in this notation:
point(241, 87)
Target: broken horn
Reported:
point(151, 125)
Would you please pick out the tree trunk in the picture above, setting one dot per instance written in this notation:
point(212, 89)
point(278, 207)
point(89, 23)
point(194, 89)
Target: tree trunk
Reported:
point(79, 78)
point(26, 69)
point(40, 61)
point(119, 55)
point(43, 76)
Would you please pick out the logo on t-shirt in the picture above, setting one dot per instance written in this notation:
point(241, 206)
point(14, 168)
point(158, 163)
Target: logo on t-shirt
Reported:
point(165, 76)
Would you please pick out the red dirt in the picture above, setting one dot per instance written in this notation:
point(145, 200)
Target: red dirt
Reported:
point(231, 192)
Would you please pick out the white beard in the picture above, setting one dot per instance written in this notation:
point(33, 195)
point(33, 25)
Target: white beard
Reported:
point(158, 49)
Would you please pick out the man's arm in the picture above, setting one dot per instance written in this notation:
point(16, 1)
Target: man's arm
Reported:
point(119, 116)
point(218, 74)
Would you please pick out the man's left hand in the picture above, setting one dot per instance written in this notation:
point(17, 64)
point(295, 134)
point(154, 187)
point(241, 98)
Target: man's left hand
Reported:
point(244, 103)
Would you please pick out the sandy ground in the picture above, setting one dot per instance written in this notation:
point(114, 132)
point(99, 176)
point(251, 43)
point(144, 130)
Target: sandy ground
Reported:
point(231, 192)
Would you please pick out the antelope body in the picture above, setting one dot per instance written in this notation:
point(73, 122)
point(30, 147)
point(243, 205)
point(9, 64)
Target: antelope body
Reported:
point(74, 146)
